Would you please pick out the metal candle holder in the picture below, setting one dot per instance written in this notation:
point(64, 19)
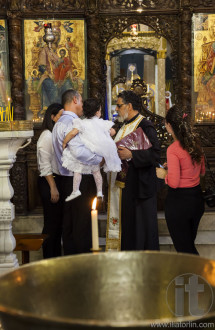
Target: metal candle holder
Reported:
point(49, 36)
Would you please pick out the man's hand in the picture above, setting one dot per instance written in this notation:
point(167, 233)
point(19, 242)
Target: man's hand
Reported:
point(112, 131)
point(124, 153)
point(54, 194)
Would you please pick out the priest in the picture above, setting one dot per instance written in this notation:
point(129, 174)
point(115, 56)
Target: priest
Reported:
point(132, 204)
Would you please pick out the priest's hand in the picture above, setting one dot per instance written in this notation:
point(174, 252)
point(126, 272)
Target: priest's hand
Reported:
point(124, 153)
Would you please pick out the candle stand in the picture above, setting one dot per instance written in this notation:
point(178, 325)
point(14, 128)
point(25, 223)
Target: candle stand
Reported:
point(12, 135)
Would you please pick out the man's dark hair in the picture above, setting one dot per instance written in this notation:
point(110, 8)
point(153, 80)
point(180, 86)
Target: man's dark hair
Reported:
point(90, 107)
point(131, 97)
point(53, 109)
point(68, 96)
point(184, 132)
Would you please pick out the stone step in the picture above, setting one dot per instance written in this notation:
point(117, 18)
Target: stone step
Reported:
point(205, 240)
point(207, 224)
point(206, 230)
point(34, 224)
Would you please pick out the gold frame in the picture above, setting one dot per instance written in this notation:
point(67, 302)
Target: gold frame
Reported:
point(204, 67)
point(47, 74)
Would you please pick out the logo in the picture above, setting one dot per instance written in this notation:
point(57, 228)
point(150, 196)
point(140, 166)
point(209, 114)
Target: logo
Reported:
point(189, 295)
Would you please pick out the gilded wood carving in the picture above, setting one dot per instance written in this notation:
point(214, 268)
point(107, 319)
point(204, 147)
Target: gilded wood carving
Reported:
point(133, 5)
point(46, 5)
point(16, 67)
point(168, 27)
point(106, 19)
point(186, 61)
point(197, 3)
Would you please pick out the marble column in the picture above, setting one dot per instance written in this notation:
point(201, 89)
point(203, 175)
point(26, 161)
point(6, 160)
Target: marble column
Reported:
point(160, 101)
point(10, 142)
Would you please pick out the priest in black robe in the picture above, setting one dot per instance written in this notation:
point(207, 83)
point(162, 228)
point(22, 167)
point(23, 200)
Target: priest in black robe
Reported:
point(138, 229)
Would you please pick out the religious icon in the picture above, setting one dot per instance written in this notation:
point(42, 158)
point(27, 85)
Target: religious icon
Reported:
point(4, 74)
point(204, 67)
point(50, 71)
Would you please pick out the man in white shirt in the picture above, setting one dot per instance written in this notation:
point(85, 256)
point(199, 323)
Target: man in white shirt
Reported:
point(77, 215)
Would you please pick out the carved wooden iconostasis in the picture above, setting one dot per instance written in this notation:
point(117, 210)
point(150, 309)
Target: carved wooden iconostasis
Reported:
point(104, 20)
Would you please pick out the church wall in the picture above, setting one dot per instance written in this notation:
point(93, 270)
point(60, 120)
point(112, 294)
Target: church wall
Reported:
point(104, 19)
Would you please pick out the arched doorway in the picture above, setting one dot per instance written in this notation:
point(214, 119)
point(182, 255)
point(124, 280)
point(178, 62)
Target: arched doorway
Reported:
point(140, 54)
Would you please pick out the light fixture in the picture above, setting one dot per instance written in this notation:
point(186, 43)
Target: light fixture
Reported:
point(140, 8)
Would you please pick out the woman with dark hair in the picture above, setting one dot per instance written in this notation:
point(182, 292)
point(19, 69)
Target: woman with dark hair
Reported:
point(49, 183)
point(185, 163)
point(96, 134)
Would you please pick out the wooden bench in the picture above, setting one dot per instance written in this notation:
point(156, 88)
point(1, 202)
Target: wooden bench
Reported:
point(27, 243)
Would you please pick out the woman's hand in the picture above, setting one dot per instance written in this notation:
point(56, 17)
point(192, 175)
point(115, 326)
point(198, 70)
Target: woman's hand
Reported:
point(54, 194)
point(161, 172)
point(165, 165)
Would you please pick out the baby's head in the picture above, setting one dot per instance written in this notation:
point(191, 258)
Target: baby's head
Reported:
point(91, 108)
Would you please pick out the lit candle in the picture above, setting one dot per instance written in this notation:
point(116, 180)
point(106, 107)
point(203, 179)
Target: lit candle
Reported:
point(10, 109)
point(1, 112)
point(94, 219)
point(7, 118)
point(11, 113)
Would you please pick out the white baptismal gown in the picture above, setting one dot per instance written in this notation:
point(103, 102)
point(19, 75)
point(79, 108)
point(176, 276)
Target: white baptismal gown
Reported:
point(95, 135)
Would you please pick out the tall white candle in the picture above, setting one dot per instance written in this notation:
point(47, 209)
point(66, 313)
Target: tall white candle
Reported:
point(94, 219)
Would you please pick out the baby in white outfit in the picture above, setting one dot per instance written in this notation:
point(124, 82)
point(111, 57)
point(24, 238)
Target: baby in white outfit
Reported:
point(96, 134)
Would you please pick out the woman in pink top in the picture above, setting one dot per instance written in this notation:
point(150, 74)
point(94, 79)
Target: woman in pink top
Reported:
point(184, 205)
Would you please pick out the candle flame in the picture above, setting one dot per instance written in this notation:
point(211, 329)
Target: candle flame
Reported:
point(94, 203)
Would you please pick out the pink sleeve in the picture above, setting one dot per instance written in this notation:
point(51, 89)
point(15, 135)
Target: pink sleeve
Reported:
point(202, 172)
point(173, 176)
